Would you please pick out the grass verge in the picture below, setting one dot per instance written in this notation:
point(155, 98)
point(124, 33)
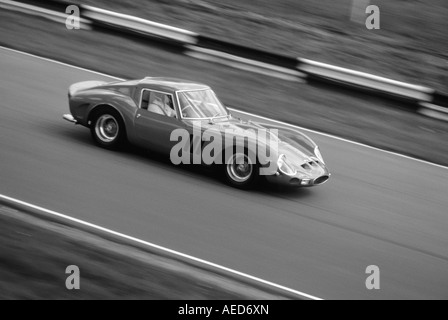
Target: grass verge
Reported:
point(36, 253)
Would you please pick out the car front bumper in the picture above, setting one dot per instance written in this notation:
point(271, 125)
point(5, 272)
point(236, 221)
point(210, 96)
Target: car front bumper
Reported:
point(69, 118)
point(297, 181)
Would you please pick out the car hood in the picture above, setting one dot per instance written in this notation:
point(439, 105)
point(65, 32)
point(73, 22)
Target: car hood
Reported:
point(297, 147)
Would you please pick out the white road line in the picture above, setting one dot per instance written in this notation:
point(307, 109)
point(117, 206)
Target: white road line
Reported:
point(61, 63)
point(151, 245)
point(248, 113)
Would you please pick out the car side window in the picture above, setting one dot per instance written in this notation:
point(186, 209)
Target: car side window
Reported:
point(168, 106)
point(158, 102)
point(145, 99)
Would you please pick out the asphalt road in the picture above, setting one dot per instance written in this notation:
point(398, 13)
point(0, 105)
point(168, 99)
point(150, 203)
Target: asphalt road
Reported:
point(378, 209)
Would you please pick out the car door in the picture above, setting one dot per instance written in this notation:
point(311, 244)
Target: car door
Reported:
point(152, 124)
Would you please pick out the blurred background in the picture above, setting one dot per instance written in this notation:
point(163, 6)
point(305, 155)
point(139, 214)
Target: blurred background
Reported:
point(411, 45)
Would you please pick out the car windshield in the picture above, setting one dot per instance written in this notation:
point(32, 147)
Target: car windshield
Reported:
point(200, 104)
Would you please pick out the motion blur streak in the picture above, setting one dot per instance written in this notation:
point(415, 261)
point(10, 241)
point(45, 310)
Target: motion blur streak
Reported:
point(379, 209)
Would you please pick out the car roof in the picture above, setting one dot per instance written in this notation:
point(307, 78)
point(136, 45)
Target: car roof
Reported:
point(171, 84)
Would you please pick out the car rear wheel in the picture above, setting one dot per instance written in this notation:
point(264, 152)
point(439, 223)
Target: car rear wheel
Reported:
point(240, 171)
point(108, 129)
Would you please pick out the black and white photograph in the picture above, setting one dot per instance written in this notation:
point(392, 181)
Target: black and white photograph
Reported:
point(224, 157)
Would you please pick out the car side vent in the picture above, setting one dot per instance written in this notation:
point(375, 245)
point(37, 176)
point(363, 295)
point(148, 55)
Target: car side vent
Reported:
point(308, 165)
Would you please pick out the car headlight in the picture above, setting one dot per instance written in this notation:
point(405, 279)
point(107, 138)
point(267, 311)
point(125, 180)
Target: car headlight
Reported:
point(319, 155)
point(284, 167)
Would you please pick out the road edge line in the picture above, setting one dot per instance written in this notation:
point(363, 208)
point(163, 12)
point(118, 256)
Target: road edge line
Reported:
point(241, 277)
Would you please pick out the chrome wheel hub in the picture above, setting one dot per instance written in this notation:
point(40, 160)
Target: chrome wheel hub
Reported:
point(239, 168)
point(107, 128)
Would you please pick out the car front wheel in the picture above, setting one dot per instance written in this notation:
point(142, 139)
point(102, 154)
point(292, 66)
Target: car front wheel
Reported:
point(240, 171)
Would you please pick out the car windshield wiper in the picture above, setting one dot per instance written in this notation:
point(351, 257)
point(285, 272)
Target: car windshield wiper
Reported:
point(212, 119)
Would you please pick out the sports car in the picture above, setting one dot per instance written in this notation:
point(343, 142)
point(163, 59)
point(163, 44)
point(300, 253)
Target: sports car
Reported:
point(183, 119)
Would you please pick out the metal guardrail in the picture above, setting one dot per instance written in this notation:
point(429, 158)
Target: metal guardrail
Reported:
point(277, 65)
point(368, 81)
point(138, 25)
point(57, 16)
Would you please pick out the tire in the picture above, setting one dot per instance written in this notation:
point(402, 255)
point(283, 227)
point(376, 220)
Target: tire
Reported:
point(241, 176)
point(108, 129)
